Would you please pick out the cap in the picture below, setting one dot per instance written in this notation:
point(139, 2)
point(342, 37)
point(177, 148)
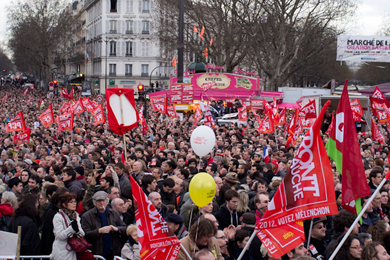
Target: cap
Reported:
point(231, 177)
point(13, 181)
point(79, 170)
point(306, 223)
point(28, 161)
point(249, 218)
point(100, 195)
point(174, 218)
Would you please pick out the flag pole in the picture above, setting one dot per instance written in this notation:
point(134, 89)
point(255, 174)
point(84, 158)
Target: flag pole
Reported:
point(308, 238)
point(359, 216)
point(247, 244)
point(185, 251)
point(124, 137)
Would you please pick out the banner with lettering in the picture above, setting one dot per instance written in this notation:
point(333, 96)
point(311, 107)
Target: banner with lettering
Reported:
point(78, 107)
point(382, 111)
point(98, 113)
point(267, 125)
point(47, 117)
point(197, 116)
point(282, 118)
point(87, 104)
point(356, 107)
point(142, 121)
point(309, 110)
point(172, 112)
point(279, 241)
point(257, 103)
point(175, 94)
point(155, 239)
point(23, 137)
point(16, 124)
point(65, 121)
point(187, 94)
point(242, 114)
point(376, 134)
point(159, 104)
point(307, 189)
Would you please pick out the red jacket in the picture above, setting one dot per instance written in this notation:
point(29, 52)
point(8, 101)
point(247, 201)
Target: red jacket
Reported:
point(6, 209)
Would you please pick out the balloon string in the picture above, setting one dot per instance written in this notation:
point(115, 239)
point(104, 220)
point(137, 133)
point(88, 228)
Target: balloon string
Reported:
point(196, 235)
point(189, 224)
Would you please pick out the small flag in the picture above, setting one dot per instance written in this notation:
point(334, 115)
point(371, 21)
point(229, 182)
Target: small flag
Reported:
point(195, 29)
point(87, 57)
point(41, 104)
point(211, 41)
point(205, 52)
point(201, 33)
point(174, 62)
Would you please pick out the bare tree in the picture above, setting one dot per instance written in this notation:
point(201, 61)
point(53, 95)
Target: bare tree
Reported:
point(37, 28)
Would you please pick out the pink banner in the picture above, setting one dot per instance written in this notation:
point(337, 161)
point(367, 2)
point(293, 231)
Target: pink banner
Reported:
point(227, 85)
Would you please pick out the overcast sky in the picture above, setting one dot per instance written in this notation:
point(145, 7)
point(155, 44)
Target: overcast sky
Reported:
point(368, 21)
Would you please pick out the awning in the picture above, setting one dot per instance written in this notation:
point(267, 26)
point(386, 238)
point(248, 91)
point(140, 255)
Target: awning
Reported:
point(77, 81)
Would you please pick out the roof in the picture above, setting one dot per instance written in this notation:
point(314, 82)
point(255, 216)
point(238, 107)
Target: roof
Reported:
point(384, 88)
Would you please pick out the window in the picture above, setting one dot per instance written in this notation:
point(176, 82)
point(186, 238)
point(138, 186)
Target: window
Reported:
point(129, 49)
point(145, 6)
point(145, 27)
point(112, 26)
point(129, 26)
point(112, 48)
point(112, 70)
point(145, 49)
point(144, 70)
point(113, 6)
point(128, 70)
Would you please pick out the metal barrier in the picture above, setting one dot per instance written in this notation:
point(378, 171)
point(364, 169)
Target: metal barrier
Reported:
point(43, 257)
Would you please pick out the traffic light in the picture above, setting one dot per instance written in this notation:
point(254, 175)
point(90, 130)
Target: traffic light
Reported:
point(141, 90)
point(55, 83)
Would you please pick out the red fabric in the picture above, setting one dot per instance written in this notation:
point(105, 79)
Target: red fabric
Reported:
point(65, 122)
point(87, 104)
point(78, 107)
point(6, 209)
point(117, 128)
point(242, 114)
point(267, 126)
point(142, 121)
point(159, 104)
point(99, 115)
point(156, 239)
point(309, 110)
point(172, 112)
point(23, 137)
point(376, 135)
point(282, 118)
point(382, 111)
point(357, 107)
point(16, 124)
point(47, 117)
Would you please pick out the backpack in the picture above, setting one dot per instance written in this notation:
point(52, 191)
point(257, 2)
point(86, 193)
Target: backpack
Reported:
point(5, 222)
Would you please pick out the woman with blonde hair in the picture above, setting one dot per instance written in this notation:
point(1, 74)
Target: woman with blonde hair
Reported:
point(243, 201)
point(131, 249)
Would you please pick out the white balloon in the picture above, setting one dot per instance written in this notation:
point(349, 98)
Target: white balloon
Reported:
point(202, 140)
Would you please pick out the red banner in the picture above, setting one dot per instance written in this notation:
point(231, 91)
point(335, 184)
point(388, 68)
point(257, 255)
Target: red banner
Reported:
point(23, 137)
point(121, 113)
point(257, 103)
point(64, 107)
point(207, 86)
point(47, 117)
point(25, 92)
point(154, 236)
point(357, 107)
point(208, 118)
point(16, 124)
point(230, 102)
point(197, 116)
point(298, 130)
point(282, 118)
point(309, 110)
point(87, 104)
point(159, 104)
point(242, 114)
point(188, 94)
point(306, 123)
point(307, 189)
point(78, 107)
point(267, 126)
point(142, 121)
point(172, 112)
point(382, 111)
point(99, 115)
point(65, 122)
point(175, 93)
point(376, 134)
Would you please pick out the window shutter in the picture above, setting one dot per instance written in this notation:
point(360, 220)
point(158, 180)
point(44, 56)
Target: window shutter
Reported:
point(108, 6)
point(150, 6)
point(140, 6)
point(118, 6)
point(107, 26)
point(131, 6)
point(147, 49)
point(123, 49)
point(134, 50)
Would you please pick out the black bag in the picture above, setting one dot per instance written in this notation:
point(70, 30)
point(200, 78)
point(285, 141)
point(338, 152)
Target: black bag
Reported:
point(5, 222)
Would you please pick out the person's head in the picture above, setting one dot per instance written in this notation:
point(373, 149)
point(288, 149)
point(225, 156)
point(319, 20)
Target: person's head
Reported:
point(41, 172)
point(174, 221)
point(16, 185)
point(119, 205)
point(364, 201)
point(241, 238)
point(155, 198)
point(376, 175)
point(149, 182)
point(343, 221)
point(261, 201)
point(207, 209)
point(231, 198)
point(318, 231)
point(33, 182)
point(300, 250)
point(113, 192)
point(106, 182)
point(204, 229)
point(68, 201)
point(364, 238)
point(374, 251)
point(211, 217)
point(100, 200)
point(68, 174)
point(119, 167)
point(221, 238)
point(204, 254)
point(168, 185)
point(24, 176)
point(376, 202)
point(351, 249)
point(10, 198)
point(137, 167)
point(384, 196)
point(378, 229)
point(132, 231)
point(28, 206)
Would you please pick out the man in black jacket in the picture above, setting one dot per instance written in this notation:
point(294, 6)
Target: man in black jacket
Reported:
point(227, 214)
point(317, 245)
point(167, 195)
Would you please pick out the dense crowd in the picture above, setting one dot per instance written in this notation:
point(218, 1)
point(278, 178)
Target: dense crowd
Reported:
point(61, 184)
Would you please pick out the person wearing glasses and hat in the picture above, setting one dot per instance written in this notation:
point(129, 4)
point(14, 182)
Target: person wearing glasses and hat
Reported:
point(317, 245)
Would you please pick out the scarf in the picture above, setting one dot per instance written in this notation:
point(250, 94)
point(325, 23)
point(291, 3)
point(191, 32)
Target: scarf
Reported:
point(71, 213)
point(107, 243)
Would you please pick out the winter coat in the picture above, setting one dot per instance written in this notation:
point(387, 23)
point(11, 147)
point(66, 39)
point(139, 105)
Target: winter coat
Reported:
point(47, 228)
point(225, 218)
point(130, 252)
point(90, 221)
point(75, 187)
point(62, 234)
point(189, 245)
point(30, 241)
point(6, 211)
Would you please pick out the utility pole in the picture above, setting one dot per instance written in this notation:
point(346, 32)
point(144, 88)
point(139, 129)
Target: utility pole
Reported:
point(180, 49)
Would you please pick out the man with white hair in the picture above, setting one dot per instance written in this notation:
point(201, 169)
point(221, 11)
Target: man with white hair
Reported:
point(121, 207)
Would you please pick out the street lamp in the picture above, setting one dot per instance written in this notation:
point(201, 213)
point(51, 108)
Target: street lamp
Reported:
point(151, 73)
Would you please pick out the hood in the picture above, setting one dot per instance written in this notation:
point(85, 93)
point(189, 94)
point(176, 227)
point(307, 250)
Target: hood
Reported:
point(6, 209)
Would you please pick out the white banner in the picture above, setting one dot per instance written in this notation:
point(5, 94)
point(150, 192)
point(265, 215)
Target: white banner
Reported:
point(363, 48)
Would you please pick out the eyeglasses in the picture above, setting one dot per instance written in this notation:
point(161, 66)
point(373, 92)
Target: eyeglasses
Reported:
point(223, 237)
point(356, 247)
point(321, 227)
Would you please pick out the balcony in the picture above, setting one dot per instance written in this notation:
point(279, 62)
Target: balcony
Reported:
point(113, 11)
point(112, 54)
point(145, 32)
point(144, 74)
point(112, 31)
point(129, 54)
point(129, 31)
point(128, 74)
point(112, 74)
point(145, 11)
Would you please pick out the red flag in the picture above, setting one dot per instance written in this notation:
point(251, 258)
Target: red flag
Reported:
point(298, 130)
point(197, 116)
point(267, 107)
point(381, 111)
point(256, 103)
point(47, 117)
point(332, 123)
point(195, 29)
point(121, 112)
point(267, 126)
point(282, 117)
point(71, 94)
point(309, 110)
point(159, 104)
point(16, 124)
point(6, 96)
point(78, 107)
point(65, 122)
point(275, 109)
point(376, 134)
point(23, 137)
point(172, 112)
point(25, 92)
point(279, 241)
point(291, 128)
point(307, 189)
point(155, 239)
point(306, 123)
point(99, 115)
point(143, 121)
point(242, 114)
point(205, 52)
point(299, 101)
point(87, 104)
point(65, 94)
point(28, 101)
point(357, 107)
point(378, 97)
point(64, 107)
point(201, 33)
point(208, 118)
point(230, 102)
point(211, 41)
point(378, 94)
point(207, 86)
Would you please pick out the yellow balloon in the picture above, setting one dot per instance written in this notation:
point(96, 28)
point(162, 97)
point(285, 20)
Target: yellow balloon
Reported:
point(202, 189)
